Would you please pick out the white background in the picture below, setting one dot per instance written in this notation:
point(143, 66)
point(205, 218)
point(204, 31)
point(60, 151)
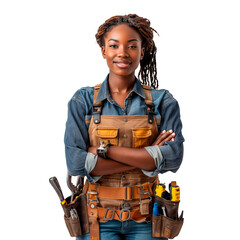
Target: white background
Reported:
point(48, 51)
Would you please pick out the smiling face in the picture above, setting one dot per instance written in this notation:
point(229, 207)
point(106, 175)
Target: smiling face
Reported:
point(122, 50)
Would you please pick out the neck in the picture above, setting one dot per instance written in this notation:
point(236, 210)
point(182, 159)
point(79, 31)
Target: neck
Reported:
point(121, 84)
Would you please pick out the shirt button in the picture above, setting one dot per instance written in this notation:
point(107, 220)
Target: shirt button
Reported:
point(125, 136)
point(125, 120)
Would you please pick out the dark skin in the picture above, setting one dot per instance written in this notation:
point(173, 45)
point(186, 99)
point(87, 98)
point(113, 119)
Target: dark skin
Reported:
point(123, 51)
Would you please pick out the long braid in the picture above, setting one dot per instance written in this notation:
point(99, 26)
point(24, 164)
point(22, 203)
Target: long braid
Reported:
point(148, 66)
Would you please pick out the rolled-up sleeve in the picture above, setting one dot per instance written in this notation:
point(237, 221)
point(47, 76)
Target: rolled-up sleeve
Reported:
point(156, 154)
point(169, 156)
point(172, 151)
point(79, 161)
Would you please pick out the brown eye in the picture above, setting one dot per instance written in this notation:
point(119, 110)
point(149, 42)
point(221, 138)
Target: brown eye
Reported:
point(113, 46)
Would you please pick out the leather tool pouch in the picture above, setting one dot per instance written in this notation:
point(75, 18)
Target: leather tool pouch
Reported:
point(76, 216)
point(167, 226)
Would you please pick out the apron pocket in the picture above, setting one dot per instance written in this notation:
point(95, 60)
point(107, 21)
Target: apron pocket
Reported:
point(141, 137)
point(110, 134)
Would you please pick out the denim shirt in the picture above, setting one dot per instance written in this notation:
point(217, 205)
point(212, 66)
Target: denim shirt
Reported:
point(167, 157)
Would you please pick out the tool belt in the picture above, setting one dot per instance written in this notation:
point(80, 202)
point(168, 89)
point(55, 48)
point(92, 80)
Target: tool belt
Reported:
point(141, 191)
point(167, 224)
point(96, 193)
point(82, 209)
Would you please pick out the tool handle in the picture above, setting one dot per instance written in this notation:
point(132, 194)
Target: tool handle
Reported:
point(54, 182)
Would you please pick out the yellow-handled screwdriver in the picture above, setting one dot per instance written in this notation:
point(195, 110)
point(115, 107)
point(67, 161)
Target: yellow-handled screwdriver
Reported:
point(160, 188)
point(174, 191)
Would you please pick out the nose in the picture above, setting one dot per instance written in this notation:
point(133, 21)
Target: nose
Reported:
point(122, 52)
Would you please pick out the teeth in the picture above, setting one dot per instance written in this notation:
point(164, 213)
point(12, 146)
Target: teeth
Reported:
point(123, 64)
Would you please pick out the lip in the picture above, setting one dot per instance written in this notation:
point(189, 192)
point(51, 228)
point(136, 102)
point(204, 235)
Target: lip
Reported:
point(122, 64)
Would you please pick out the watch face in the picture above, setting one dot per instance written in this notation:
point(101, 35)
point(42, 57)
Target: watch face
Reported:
point(100, 151)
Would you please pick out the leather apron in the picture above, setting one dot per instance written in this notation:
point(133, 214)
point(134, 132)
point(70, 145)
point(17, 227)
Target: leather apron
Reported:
point(125, 195)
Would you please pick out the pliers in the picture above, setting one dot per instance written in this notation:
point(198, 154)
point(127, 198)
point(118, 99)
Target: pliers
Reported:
point(76, 190)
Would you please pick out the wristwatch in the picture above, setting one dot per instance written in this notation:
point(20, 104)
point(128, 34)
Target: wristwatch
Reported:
point(103, 149)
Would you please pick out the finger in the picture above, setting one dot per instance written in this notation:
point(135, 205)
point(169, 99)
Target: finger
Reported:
point(158, 137)
point(162, 136)
point(168, 138)
point(165, 135)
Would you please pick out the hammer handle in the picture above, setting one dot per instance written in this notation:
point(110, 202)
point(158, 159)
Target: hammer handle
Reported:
point(54, 182)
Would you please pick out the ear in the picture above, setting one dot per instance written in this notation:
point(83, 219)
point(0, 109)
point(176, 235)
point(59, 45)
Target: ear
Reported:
point(142, 53)
point(103, 52)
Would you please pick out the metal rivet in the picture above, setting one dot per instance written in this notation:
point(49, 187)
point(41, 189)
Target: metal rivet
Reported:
point(96, 121)
point(125, 136)
point(92, 205)
point(125, 120)
point(91, 213)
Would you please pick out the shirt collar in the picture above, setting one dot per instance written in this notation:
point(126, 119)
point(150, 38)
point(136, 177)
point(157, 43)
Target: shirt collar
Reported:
point(104, 92)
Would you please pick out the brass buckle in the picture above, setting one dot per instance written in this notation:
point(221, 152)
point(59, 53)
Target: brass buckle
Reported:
point(105, 215)
point(93, 193)
point(144, 193)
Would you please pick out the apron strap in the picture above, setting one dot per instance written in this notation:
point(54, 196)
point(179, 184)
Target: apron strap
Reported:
point(97, 107)
point(149, 103)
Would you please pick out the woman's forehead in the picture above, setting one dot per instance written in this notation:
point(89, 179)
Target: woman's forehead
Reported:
point(122, 31)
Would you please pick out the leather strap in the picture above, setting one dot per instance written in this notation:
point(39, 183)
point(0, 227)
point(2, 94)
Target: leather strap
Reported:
point(93, 220)
point(148, 95)
point(96, 90)
point(97, 107)
point(125, 193)
point(106, 214)
point(149, 103)
point(146, 89)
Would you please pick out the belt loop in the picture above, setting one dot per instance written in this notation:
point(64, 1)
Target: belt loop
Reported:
point(129, 198)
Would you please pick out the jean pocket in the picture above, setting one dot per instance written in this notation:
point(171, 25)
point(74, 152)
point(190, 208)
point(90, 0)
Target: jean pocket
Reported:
point(141, 137)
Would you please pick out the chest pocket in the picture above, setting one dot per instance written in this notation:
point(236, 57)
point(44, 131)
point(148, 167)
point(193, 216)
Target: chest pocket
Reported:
point(141, 137)
point(110, 134)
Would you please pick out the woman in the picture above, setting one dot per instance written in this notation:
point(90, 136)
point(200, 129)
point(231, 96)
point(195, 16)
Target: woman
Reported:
point(112, 133)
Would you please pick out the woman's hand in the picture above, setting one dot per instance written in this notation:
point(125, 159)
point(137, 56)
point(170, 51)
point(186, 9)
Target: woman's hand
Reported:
point(165, 136)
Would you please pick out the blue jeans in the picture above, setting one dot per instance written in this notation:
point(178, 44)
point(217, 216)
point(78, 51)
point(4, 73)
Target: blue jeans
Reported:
point(127, 230)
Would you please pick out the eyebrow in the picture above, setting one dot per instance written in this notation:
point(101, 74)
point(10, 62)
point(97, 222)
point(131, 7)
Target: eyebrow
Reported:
point(115, 40)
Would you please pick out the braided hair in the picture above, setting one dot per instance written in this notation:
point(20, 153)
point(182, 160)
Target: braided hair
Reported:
point(148, 67)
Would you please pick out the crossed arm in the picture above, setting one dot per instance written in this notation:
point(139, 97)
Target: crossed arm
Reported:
point(122, 158)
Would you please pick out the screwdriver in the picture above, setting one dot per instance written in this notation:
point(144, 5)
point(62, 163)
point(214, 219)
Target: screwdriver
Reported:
point(174, 191)
point(160, 188)
point(156, 209)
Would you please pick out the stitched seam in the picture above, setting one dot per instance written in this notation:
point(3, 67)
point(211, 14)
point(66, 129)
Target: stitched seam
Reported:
point(78, 99)
point(168, 102)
